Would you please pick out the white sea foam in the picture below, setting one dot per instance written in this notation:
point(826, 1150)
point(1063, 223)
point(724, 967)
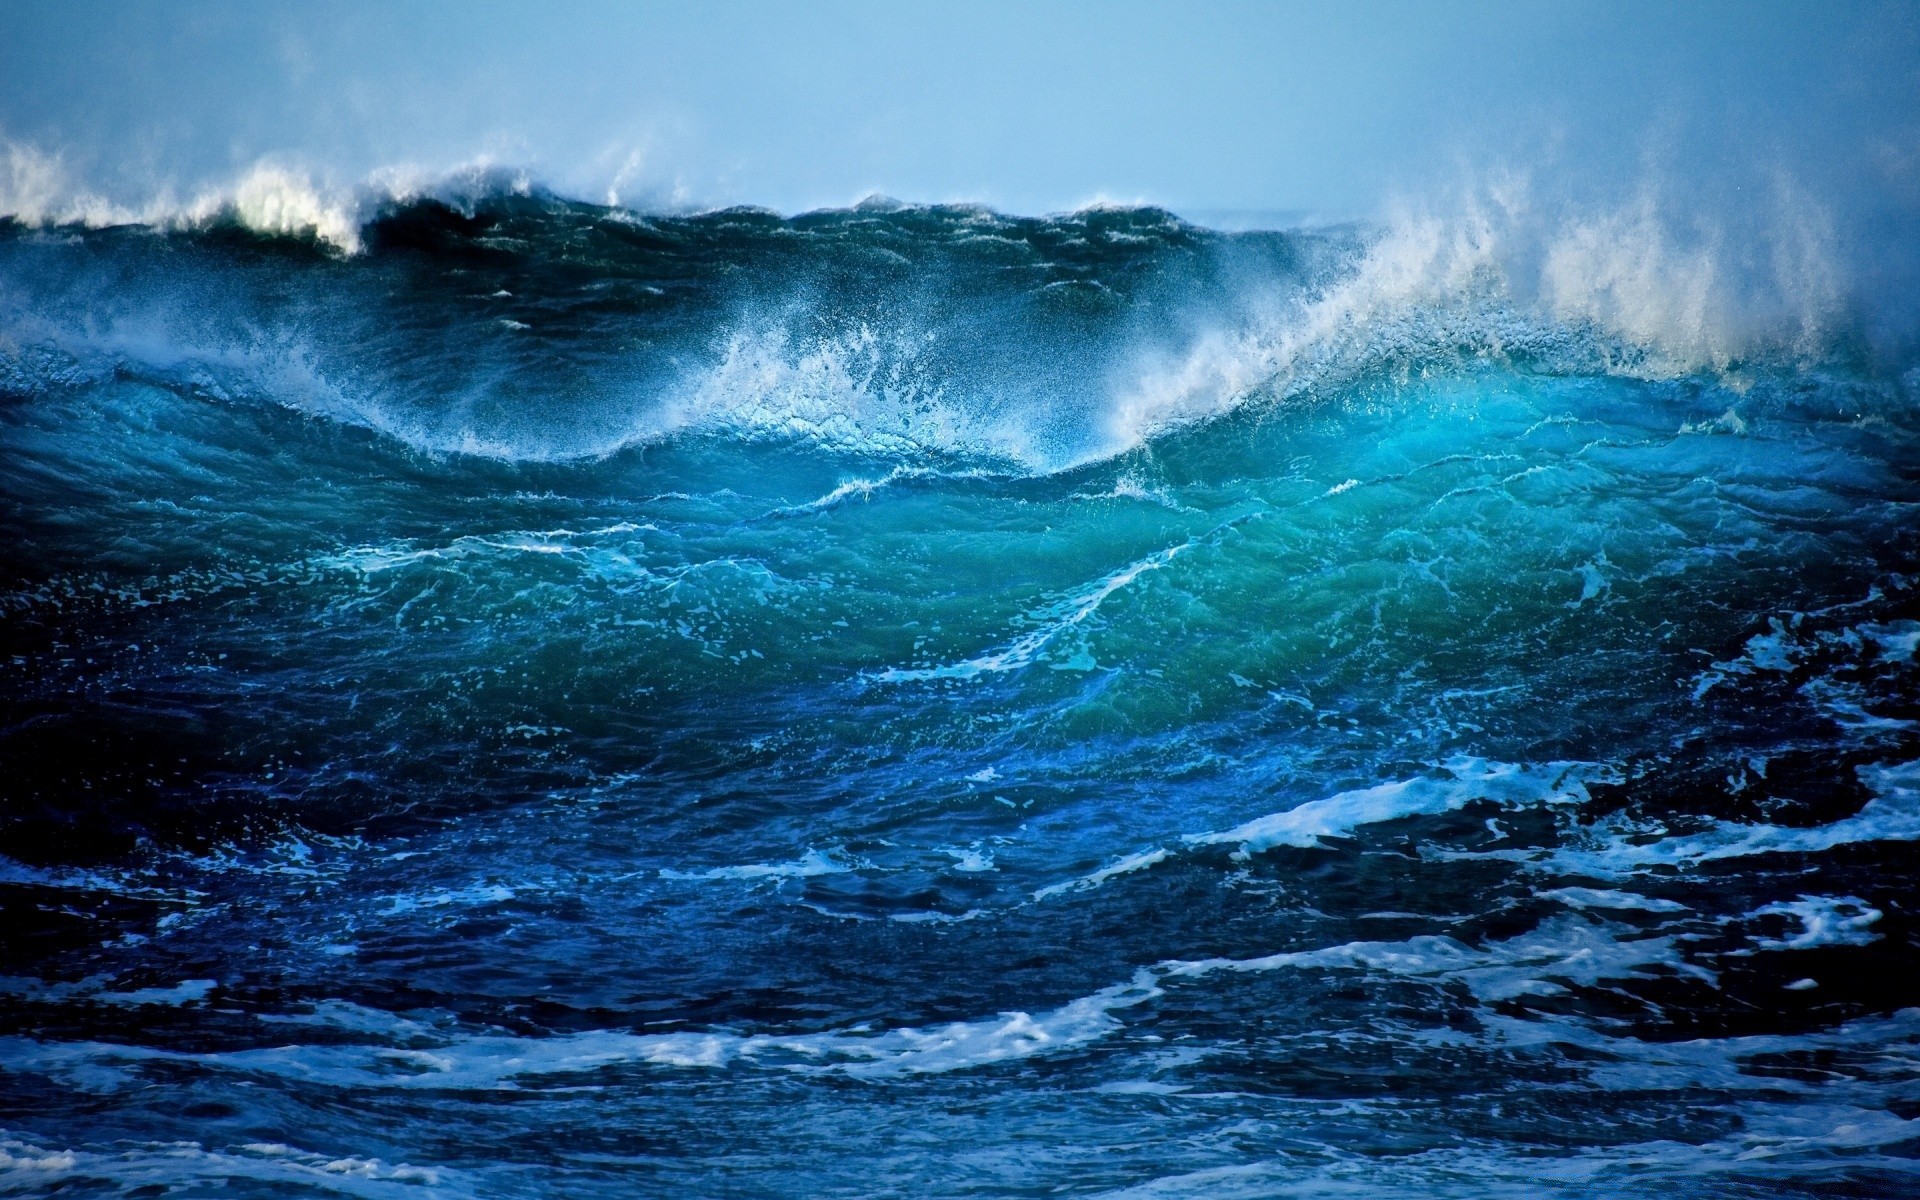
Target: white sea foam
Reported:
point(1777, 651)
point(808, 865)
point(1609, 851)
point(162, 1166)
point(1124, 866)
point(969, 859)
point(37, 189)
point(1461, 782)
point(100, 990)
point(1299, 340)
point(1585, 897)
point(580, 545)
point(1558, 953)
point(1824, 921)
point(1563, 950)
point(1465, 780)
point(510, 1062)
point(1791, 643)
point(1896, 641)
point(1796, 1144)
point(863, 390)
point(21, 1156)
point(479, 894)
point(82, 880)
point(269, 197)
point(1054, 620)
point(864, 489)
point(1644, 287)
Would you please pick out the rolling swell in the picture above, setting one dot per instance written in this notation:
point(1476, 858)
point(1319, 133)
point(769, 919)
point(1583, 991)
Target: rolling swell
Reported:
point(559, 701)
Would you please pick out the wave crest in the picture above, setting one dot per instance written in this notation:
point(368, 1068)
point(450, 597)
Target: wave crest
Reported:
point(905, 332)
point(1643, 288)
point(270, 198)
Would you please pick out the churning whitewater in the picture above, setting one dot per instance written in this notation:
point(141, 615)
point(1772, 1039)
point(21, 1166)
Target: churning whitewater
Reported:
point(508, 697)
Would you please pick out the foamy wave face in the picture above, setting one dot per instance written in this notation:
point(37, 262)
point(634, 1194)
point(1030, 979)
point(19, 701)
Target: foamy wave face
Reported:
point(862, 391)
point(901, 332)
point(1648, 289)
point(1392, 299)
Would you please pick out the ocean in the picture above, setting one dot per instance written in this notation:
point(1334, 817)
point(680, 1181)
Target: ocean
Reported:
point(513, 697)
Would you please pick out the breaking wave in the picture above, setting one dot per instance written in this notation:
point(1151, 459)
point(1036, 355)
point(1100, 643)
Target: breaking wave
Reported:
point(502, 694)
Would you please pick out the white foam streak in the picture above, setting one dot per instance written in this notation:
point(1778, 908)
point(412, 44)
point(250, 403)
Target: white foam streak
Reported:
point(163, 1166)
point(808, 865)
point(372, 560)
point(1892, 815)
point(864, 489)
point(1566, 949)
point(1125, 866)
point(1029, 647)
point(510, 1063)
point(1586, 897)
point(1469, 779)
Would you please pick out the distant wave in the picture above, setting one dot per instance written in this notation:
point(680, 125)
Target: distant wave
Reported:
point(272, 198)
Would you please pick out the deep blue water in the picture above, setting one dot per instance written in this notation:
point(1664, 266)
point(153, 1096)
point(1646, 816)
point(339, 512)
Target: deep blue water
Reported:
point(917, 702)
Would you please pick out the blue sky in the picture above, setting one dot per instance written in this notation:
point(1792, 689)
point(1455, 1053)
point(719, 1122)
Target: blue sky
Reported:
point(1204, 107)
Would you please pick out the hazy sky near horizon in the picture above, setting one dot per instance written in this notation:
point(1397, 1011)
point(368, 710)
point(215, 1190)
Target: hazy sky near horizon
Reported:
point(1323, 108)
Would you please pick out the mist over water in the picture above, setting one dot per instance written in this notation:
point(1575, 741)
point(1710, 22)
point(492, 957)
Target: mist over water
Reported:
point(505, 692)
